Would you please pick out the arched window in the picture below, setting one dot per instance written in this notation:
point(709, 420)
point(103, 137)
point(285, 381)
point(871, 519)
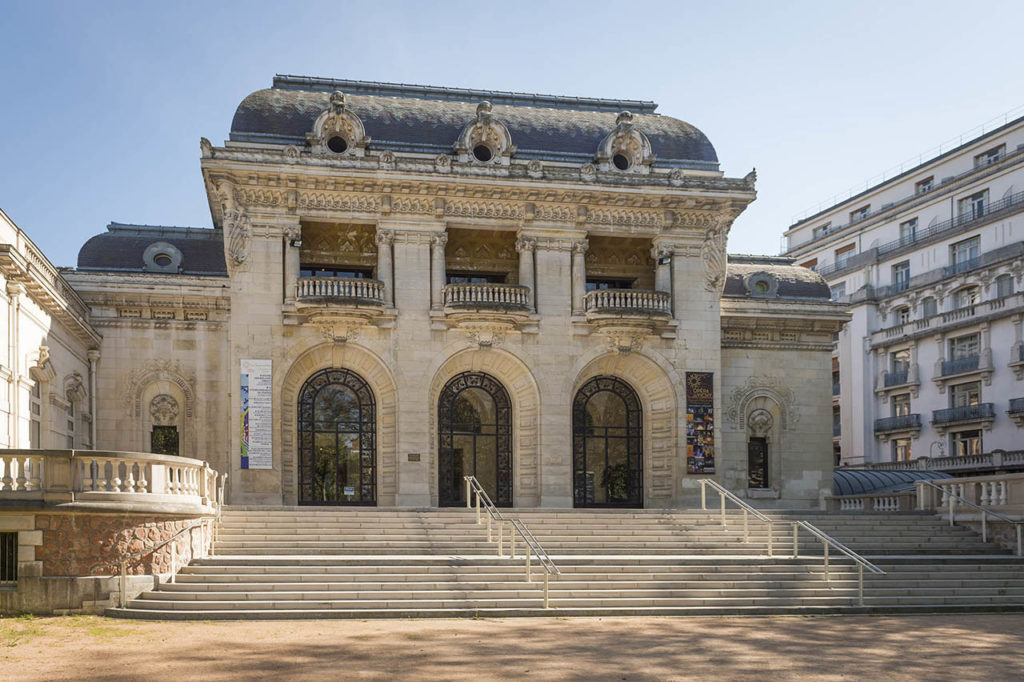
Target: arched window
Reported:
point(1004, 285)
point(607, 445)
point(337, 440)
point(474, 420)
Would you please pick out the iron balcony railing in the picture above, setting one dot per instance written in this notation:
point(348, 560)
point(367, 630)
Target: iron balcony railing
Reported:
point(340, 289)
point(962, 266)
point(1016, 405)
point(900, 423)
point(896, 378)
point(960, 365)
point(837, 429)
point(994, 209)
point(964, 413)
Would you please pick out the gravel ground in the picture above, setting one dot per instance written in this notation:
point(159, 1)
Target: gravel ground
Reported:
point(961, 647)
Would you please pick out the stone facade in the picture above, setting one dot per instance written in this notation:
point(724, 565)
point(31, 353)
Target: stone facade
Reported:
point(542, 242)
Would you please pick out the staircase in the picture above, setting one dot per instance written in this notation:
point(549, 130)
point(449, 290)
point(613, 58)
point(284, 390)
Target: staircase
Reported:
point(285, 563)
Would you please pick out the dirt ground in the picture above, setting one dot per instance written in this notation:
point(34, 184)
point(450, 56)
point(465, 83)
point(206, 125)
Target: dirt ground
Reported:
point(962, 647)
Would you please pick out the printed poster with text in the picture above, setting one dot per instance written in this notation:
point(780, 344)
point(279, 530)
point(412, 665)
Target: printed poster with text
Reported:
point(257, 419)
point(700, 423)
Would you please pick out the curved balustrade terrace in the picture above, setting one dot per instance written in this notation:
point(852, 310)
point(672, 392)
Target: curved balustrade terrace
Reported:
point(126, 481)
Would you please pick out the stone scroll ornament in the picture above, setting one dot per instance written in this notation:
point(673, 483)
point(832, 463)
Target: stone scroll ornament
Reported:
point(236, 223)
point(700, 423)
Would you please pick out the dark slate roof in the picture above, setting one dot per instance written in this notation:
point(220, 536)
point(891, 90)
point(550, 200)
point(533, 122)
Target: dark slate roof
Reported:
point(865, 481)
point(120, 249)
point(429, 119)
point(794, 281)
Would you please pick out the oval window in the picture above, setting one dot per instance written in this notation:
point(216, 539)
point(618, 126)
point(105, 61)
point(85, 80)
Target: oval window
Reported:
point(621, 162)
point(337, 144)
point(482, 152)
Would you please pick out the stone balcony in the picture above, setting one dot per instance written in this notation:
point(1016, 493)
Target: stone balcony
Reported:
point(491, 307)
point(340, 302)
point(629, 313)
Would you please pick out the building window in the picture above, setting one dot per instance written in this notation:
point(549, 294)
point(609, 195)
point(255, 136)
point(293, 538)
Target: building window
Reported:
point(966, 443)
point(901, 405)
point(1004, 286)
point(899, 361)
point(838, 291)
point(901, 450)
point(991, 156)
point(973, 206)
point(843, 254)
point(164, 440)
point(929, 307)
point(35, 416)
point(964, 347)
point(965, 298)
point(811, 264)
point(965, 395)
point(837, 423)
point(901, 276)
point(822, 230)
point(859, 214)
point(474, 278)
point(925, 185)
point(602, 284)
point(901, 315)
point(908, 231)
point(334, 271)
point(71, 426)
point(964, 255)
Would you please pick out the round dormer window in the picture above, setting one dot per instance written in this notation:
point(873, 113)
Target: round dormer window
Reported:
point(482, 153)
point(162, 257)
point(762, 285)
point(337, 144)
point(621, 162)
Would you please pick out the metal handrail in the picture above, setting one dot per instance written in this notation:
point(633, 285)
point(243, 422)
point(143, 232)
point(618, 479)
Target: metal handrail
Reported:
point(985, 513)
point(516, 526)
point(824, 537)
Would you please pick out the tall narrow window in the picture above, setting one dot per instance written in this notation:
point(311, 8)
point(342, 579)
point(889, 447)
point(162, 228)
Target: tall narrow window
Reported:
point(35, 417)
point(973, 206)
point(929, 307)
point(71, 425)
point(901, 405)
point(901, 276)
point(901, 450)
point(1004, 286)
point(964, 255)
point(908, 231)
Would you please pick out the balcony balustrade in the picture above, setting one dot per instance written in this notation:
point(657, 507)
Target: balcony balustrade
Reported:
point(487, 296)
point(1016, 405)
point(343, 290)
point(904, 422)
point(965, 413)
point(627, 302)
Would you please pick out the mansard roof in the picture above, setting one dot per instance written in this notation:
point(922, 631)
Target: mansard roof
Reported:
point(781, 276)
point(416, 118)
point(123, 248)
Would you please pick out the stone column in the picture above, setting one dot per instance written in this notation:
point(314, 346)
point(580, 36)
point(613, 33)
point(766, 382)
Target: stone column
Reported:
point(437, 274)
point(292, 235)
point(579, 275)
point(94, 358)
point(525, 246)
point(662, 256)
point(384, 239)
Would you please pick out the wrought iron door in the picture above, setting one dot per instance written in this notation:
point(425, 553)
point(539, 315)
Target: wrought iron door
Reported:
point(337, 440)
point(757, 463)
point(474, 418)
point(607, 445)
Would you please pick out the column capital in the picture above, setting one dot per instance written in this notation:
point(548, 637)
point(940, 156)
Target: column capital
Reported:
point(525, 244)
point(580, 246)
point(439, 239)
point(93, 354)
point(384, 236)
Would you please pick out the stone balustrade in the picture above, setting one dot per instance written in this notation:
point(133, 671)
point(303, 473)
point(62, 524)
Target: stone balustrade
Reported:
point(496, 296)
point(997, 459)
point(77, 476)
point(340, 290)
point(625, 301)
point(1003, 493)
point(883, 503)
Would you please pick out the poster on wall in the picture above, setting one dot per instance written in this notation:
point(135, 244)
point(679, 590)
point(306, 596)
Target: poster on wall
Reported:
point(700, 423)
point(257, 419)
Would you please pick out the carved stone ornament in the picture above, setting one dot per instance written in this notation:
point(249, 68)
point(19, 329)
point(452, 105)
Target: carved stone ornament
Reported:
point(485, 140)
point(236, 224)
point(338, 333)
point(338, 131)
point(443, 163)
point(205, 148)
point(387, 160)
point(625, 149)
point(74, 387)
point(488, 337)
point(535, 169)
point(626, 343)
point(588, 173)
point(163, 409)
point(675, 178)
point(761, 385)
point(760, 423)
point(712, 254)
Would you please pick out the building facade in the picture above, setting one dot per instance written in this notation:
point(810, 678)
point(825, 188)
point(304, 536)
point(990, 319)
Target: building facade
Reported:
point(931, 263)
point(406, 285)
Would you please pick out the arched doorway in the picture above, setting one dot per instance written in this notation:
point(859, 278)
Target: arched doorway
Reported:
point(337, 440)
point(474, 419)
point(607, 445)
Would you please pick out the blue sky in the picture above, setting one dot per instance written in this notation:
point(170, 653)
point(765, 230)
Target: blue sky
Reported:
point(104, 102)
